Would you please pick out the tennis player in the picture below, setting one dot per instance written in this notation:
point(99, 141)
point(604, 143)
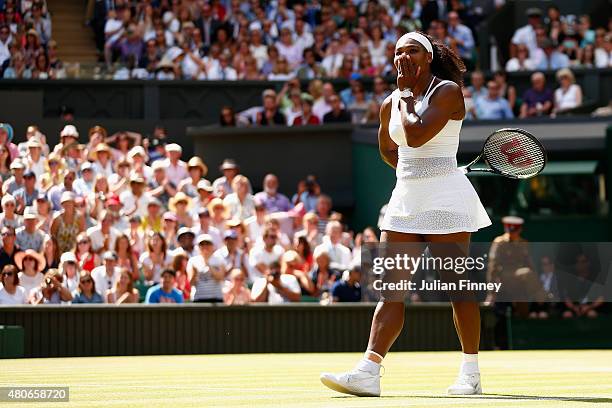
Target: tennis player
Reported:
point(433, 201)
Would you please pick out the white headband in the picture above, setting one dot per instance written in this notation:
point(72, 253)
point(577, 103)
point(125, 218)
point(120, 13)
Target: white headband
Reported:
point(420, 38)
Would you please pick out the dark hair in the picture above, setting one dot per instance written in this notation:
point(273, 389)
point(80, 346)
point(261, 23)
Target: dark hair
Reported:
point(170, 271)
point(222, 120)
point(446, 63)
point(14, 270)
point(307, 251)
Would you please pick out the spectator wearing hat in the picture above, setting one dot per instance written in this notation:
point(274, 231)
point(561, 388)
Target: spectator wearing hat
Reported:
point(123, 291)
point(569, 94)
point(86, 292)
point(233, 256)
point(84, 185)
point(106, 275)
point(197, 171)
point(270, 197)
point(29, 236)
point(9, 248)
point(26, 195)
point(206, 272)
point(205, 194)
point(165, 292)
point(9, 216)
point(30, 264)
point(275, 287)
point(102, 156)
point(69, 135)
point(11, 293)
point(103, 236)
point(68, 223)
point(16, 181)
point(34, 159)
point(240, 202)
point(203, 226)
point(223, 185)
point(159, 185)
point(135, 200)
point(180, 205)
point(526, 35)
point(186, 243)
point(70, 271)
point(56, 192)
point(176, 169)
point(6, 139)
point(537, 100)
point(235, 291)
point(169, 229)
point(152, 221)
point(137, 158)
point(50, 290)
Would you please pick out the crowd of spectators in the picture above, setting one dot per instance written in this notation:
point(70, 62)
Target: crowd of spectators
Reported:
point(276, 40)
point(27, 49)
point(121, 219)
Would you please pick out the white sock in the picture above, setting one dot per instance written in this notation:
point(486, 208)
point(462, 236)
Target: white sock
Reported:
point(469, 365)
point(368, 365)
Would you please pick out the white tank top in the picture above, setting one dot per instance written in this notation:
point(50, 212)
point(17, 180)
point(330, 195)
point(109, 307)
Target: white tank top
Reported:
point(444, 144)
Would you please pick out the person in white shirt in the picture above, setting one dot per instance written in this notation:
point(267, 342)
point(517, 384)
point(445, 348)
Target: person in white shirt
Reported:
point(202, 226)
point(176, 169)
point(526, 34)
point(84, 185)
point(107, 275)
point(206, 272)
point(10, 291)
point(262, 255)
point(5, 39)
point(240, 203)
point(135, 200)
point(339, 255)
point(103, 236)
point(322, 105)
point(288, 49)
point(569, 94)
point(113, 29)
point(222, 71)
point(303, 37)
point(333, 58)
point(276, 287)
point(138, 157)
point(35, 160)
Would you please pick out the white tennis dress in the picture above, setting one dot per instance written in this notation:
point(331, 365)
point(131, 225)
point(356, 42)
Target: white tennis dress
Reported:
point(432, 195)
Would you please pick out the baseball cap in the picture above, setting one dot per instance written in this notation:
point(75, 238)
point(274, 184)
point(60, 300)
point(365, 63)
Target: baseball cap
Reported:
point(17, 164)
point(173, 147)
point(29, 173)
point(512, 220)
point(86, 166)
point(183, 231)
point(169, 215)
point(70, 130)
point(67, 196)
point(204, 238)
point(109, 256)
point(230, 234)
point(68, 257)
point(205, 185)
point(113, 200)
point(30, 214)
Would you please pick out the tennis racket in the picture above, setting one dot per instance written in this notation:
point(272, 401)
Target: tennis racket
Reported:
point(513, 153)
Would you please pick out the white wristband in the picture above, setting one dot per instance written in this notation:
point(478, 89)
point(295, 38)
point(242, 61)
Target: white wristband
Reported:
point(406, 93)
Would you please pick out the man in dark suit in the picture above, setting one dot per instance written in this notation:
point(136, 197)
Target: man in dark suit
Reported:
point(208, 25)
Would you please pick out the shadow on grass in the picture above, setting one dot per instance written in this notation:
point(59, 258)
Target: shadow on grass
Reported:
point(596, 400)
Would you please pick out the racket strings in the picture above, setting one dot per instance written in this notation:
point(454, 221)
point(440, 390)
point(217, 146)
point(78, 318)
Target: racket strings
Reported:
point(514, 153)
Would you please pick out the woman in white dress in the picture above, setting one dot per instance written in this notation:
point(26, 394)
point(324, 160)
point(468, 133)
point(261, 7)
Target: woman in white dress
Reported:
point(433, 201)
point(569, 94)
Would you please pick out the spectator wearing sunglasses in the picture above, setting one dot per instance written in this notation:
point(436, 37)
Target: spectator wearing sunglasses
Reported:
point(10, 291)
point(86, 293)
point(9, 248)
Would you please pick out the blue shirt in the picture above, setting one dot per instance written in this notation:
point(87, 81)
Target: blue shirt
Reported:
point(345, 292)
point(493, 108)
point(157, 295)
point(275, 203)
point(463, 34)
point(557, 60)
point(81, 298)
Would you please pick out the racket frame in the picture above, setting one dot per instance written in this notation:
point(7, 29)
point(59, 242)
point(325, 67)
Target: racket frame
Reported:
point(467, 168)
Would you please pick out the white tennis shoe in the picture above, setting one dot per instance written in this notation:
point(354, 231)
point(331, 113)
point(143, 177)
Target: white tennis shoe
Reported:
point(466, 384)
point(357, 382)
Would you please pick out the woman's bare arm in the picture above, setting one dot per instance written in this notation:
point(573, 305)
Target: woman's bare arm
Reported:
point(446, 102)
point(386, 146)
